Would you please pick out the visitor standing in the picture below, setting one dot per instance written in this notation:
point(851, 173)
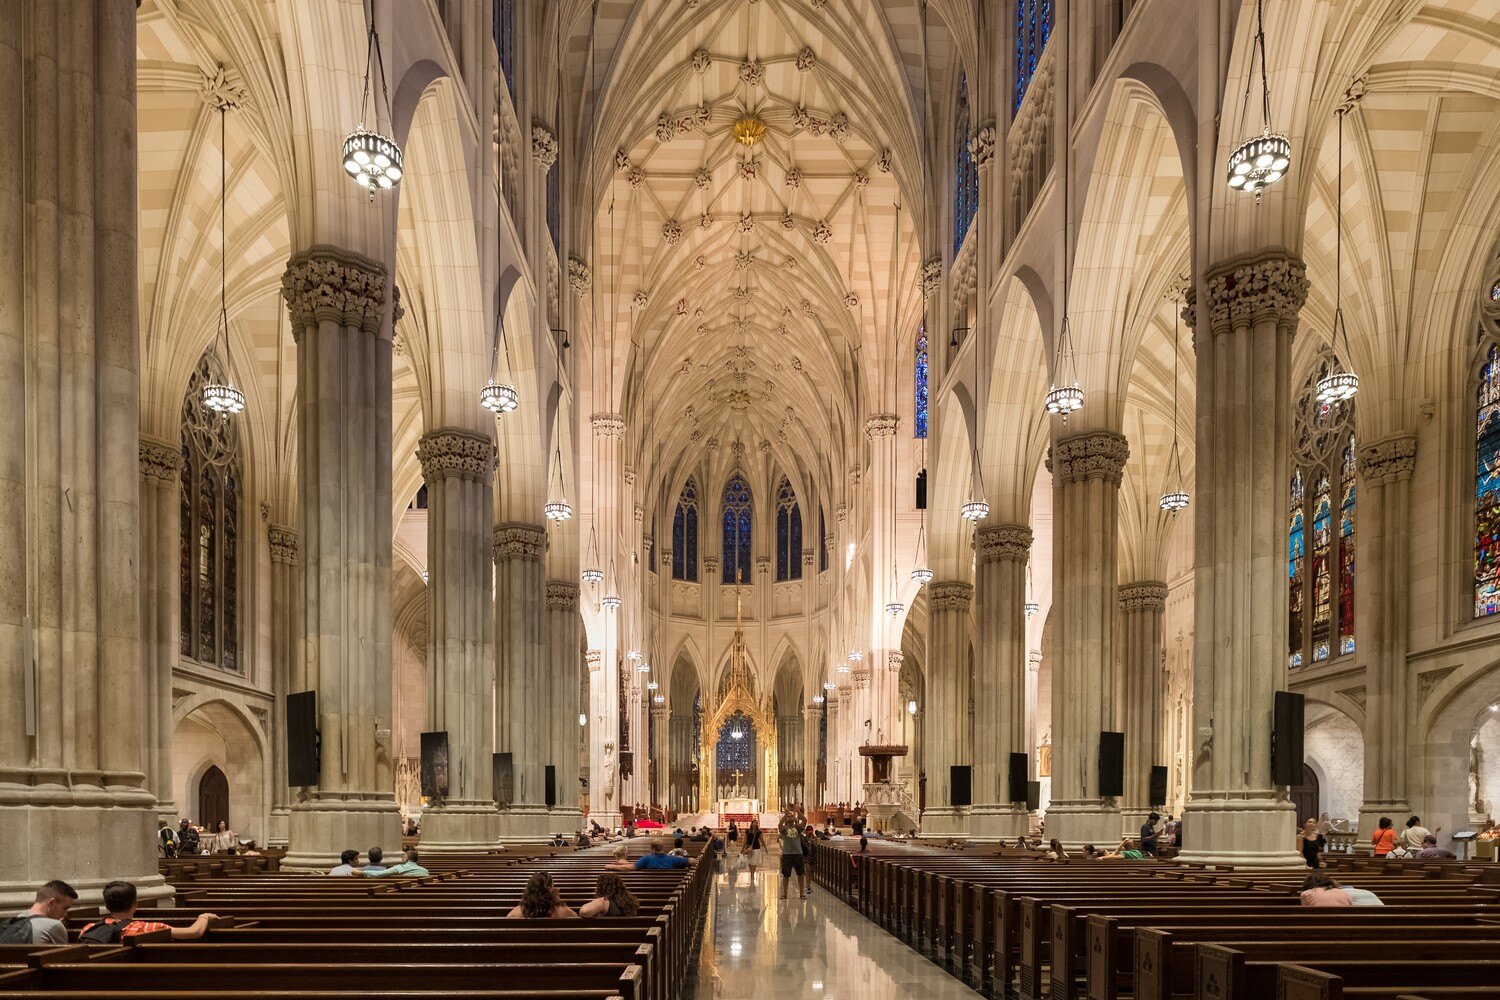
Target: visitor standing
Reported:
point(733, 849)
point(1148, 834)
point(1383, 840)
point(1312, 843)
point(792, 858)
point(755, 855)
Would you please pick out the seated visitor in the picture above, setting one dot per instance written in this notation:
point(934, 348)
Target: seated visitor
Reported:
point(119, 901)
point(1430, 849)
point(1320, 890)
point(43, 923)
point(582, 840)
point(659, 859)
point(1127, 851)
point(611, 899)
point(620, 860)
point(541, 900)
point(1361, 897)
point(408, 867)
point(376, 857)
point(701, 835)
point(1055, 851)
point(1091, 853)
point(557, 840)
point(346, 863)
point(677, 849)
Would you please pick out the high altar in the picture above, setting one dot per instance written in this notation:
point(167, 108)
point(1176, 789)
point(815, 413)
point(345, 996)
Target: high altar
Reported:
point(762, 718)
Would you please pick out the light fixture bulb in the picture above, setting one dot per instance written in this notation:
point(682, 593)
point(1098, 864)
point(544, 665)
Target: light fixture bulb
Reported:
point(894, 609)
point(911, 708)
point(818, 699)
point(652, 685)
point(829, 685)
point(223, 397)
point(1032, 607)
point(634, 656)
point(1335, 387)
point(856, 655)
point(372, 159)
point(1259, 162)
point(974, 510)
point(659, 699)
point(611, 601)
point(643, 668)
point(1174, 500)
point(593, 575)
point(921, 575)
point(583, 720)
point(557, 510)
point(842, 668)
point(498, 398)
point(1064, 399)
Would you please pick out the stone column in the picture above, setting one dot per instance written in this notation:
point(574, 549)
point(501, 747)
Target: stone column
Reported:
point(337, 302)
point(1382, 581)
point(161, 611)
point(999, 680)
point(1243, 341)
point(74, 803)
point(286, 639)
point(1086, 470)
point(812, 717)
point(947, 711)
point(563, 677)
point(1142, 605)
point(523, 693)
point(661, 755)
point(882, 702)
point(1033, 682)
point(458, 466)
point(604, 675)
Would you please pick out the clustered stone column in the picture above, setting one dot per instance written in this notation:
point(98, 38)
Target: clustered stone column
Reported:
point(337, 302)
point(1243, 341)
point(1086, 471)
point(286, 639)
point(812, 719)
point(458, 466)
point(661, 759)
point(73, 746)
point(1386, 467)
point(999, 679)
point(604, 672)
point(563, 677)
point(161, 611)
point(1142, 607)
point(881, 701)
point(946, 734)
point(523, 692)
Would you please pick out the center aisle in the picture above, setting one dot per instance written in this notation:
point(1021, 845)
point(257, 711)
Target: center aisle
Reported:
point(756, 945)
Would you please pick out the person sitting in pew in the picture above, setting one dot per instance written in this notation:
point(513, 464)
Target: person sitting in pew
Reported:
point(612, 898)
point(540, 900)
point(659, 859)
point(376, 857)
point(677, 849)
point(408, 867)
point(1430, 849)
point(1361, 897)
point(1127, 851)
point(120, 900)
point(1320, 890)
point(346, 863)
point(557, 840)
point(43, 923)
point(1091, 853)
point(583, 840)
point(621, 860)
point(1055, 851)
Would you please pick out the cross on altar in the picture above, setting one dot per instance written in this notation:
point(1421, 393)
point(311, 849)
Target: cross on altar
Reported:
point(737, 776)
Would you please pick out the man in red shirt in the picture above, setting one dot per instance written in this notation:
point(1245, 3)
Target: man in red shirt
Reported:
point(120, 900)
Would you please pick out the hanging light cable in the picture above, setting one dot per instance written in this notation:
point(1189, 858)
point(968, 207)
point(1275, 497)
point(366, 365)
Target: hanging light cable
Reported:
point(500, 397)
point(593, 572)
point(1263, 159)
point(1174, 494)
point(1065, 395)
point(1340, 383)
point(370, 157)
point(221, 396)
point(976, 507)
point(557, 507)
point(1031, 607)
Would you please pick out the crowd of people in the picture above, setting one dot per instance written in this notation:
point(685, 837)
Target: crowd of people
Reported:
point(1415, 841)
point(375, 867)
point(191, 839)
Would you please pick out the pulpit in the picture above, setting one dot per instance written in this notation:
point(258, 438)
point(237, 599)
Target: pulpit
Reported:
point(886, 799)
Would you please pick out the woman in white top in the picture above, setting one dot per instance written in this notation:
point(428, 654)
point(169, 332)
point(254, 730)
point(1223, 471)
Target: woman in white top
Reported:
point(1412, 837)
point(223, 839)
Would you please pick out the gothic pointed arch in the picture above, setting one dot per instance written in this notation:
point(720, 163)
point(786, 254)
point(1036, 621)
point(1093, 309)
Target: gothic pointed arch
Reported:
point(788, 533)
point(738, 511)
point(211, 507)
point(685, 533)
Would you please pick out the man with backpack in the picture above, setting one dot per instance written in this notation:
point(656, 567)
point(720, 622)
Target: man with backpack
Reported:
point(187, 838)
point(119, 900)
point(166, 839)
point(43, 923)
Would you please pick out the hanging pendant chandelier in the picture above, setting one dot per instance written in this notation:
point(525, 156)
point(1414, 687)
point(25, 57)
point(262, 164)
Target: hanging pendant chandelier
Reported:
point(558, 509)
point(498, 398)
point(1263, 159)
point(1174, 494)
point(221, 396)
point(922, 574)
point(1065, 395)
point(591, 572)
point(1339, 384)
point(1031, 607)
point(658, 699)
point(611, 601)
point(894, 609)
point(856, 655)
point(372, 158)
point(829, 685)
point(974, 509)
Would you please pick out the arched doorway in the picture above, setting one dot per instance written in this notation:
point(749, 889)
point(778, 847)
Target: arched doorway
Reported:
point(213, 798)
point(1305, 796)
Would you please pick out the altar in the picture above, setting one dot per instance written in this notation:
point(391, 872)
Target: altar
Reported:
point(740, 809)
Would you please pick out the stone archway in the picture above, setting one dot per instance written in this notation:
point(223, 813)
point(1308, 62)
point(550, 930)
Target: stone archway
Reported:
point(218, 761)
point(213, 798)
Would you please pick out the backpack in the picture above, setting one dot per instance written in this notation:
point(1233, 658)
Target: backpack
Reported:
point(104, 932)
point(16, 930)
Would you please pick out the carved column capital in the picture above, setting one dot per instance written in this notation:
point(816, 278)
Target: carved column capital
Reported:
point(894, 658)
point(762, 565)
point(161, 463)
point(1269, 283)
point(562, 595)
point(1002, 541)
point(950, 595)
point(283, 544)
point(982, 145)
point(1090, 455)
point(1389, 460)
point(1034, 660)
point(519, 540)
point(543, 145)
point(454, 453)
point(329, 283)
point(608, 425)
point(580, 275)
point(882, 425)
point(1143, 595)
point(594, 658)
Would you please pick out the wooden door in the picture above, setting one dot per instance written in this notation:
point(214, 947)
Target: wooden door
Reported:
point(1305, 796)
point(213, 799)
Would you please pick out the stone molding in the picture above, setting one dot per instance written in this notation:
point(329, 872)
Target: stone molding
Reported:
point(1002, 541)
point(762, 564)
point(607, 425)
point(455, 453)
point(894, 658)
point(1034, 660)
point(1090, 455)
point(711, 565)
point(328, 283)
point(1270, 283)
point(1389, 460)
point(562, 595)
point(1144, 595)
point(839, 514)
point(283, 544)
point(594, 658)
point(580, 275)
point(950, 595)
point(882, 425)
point(543, 145)
point(219, 91)
point(628, 475)
point(982, 145)
point(161, 463)
point(519, 540)
point(932, 275)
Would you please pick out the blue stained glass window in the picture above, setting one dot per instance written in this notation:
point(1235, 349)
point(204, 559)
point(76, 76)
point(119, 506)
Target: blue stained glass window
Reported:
point(1296, 543)
point(1346, 551)
point(734, 757)
point(1322, 581)
point(1487, 488)
point(685, 533)
point(788, 533)
point(1033, 28)
point(965, 173)
point(919, 421)
point(737, 562)
point(505, 41)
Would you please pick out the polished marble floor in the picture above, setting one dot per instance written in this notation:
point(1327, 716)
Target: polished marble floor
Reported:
point(756, 945)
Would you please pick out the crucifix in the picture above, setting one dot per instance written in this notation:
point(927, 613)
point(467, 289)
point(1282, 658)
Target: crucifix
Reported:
point(738, 774)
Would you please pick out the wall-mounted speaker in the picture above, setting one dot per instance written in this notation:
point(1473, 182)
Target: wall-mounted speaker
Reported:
point(549, 786)
point(1020, 773)
point(302, 764)
point(1286, 738)
point(1111, 764)
point(1158, 785)
point(960, 787)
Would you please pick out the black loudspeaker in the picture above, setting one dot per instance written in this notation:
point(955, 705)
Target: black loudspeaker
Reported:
point(503, 778)
point(302, 738)
point(549, 786)
point(1111, 764)
point(1020, 768)
point(1286, 739)
point(960, 791)
point(1033, 795)
point(922, 490)
point(1158, 785)
point(435, 765)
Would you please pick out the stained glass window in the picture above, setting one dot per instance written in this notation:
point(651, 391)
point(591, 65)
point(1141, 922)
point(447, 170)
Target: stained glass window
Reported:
point(1487, 488)
point(735, 759)
point(505, 41)
point(1033, 28)
point(822, 542)
point(208, 559)
point(685, 533)
point(737, 562)
point(554, 204)
point(788, 533)
point(1321, 523)
point(919, 421)
point(965, 173)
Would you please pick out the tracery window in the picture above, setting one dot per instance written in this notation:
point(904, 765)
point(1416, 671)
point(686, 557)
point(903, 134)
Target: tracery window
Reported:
point(737, 562)
point(505, 42)
point(788, 533)
point(1033, 28)
point(734, 753)
point(208, 555)
point(1320, 528)
point(685, 533)
point(919, 380)
point(965, 173)
point(1487, 484)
